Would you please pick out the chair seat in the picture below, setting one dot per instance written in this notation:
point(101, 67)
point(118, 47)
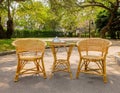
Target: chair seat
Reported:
point(92, 57)
point(29, 57)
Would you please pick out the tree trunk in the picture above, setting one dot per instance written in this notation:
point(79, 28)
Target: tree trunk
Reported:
point(107, 27)
point(113, 34)
point(2, 33)
point(112, 16)
point(103, 31)
point(10, 28)
point(1, 1)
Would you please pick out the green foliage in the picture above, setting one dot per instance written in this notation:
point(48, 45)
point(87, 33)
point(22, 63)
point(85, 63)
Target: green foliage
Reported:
point(5, 45)
point(31, 14)
point(36, 33)
point(46, 16)
point(102, 20)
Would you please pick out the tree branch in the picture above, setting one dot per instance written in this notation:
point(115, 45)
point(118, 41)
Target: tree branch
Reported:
point(98, 5)
point(111, 3)
point(1, 1)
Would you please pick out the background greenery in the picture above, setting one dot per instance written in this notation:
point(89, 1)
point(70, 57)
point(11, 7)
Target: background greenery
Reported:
point(55, 16)
point(5, 45)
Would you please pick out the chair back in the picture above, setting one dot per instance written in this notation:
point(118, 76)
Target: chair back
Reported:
point(29, 45)
point(93, 44)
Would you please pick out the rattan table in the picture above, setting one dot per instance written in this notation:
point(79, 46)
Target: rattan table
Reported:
point(61, 64)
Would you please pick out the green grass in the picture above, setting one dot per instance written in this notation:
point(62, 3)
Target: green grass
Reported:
point(5, 45)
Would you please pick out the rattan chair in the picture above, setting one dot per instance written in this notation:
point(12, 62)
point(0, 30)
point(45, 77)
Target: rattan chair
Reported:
point(93, 53)
point(30, 54)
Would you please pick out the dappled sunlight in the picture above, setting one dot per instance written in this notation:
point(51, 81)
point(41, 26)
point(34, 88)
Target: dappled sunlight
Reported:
point(11, 68)
point(113, 71)
point(111, 82)
point(4, 85)
point(8, 58)
point(41, 85)
point(113, 50)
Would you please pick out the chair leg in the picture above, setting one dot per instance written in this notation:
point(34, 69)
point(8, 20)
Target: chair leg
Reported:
point(16, 77)
point(104, 71)
point(79, 68)
point(44, 72)
point(86, 65)
point(36, 62)
point(69, 70)
point(17, 71)
point(53, 68)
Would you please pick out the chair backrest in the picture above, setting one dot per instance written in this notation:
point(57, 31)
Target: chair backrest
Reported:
point(29, 45)
point(94, 44)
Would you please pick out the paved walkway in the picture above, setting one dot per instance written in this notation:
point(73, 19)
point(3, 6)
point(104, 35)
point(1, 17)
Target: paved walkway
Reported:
point(60, 83)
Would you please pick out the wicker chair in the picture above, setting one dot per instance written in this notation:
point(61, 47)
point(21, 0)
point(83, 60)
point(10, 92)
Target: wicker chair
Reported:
point(93, 53)
point(30, 54)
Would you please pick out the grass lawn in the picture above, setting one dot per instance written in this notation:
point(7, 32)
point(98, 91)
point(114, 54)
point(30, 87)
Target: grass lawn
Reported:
point(5, 45)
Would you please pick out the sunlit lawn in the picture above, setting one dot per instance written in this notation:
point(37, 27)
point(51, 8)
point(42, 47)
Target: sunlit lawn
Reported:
point(5, 45)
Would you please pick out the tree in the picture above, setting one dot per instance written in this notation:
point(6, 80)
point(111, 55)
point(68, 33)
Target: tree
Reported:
point(1, 1)
point(102, 20)
point(2, 11)
point(67, 19)
point(25, 17)
point(10, 28)
point(5, 6)
point(2, 33)
point(110, 5)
